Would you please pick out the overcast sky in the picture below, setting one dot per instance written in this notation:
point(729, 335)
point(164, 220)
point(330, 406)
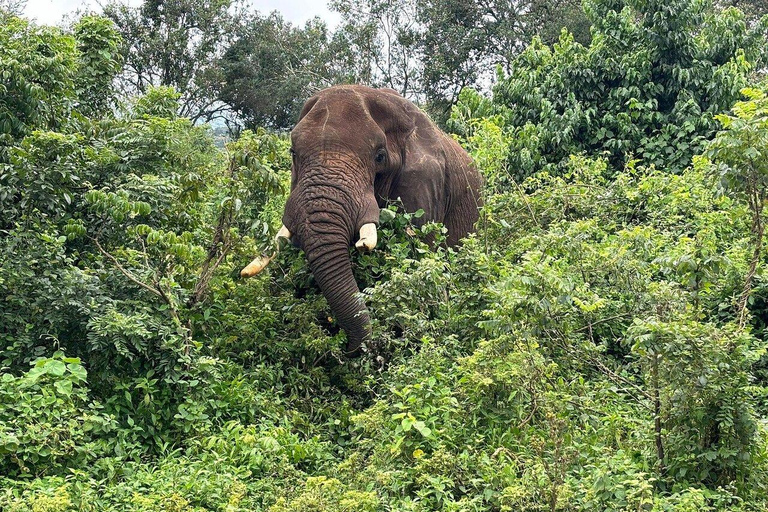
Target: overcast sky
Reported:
point(50, 12)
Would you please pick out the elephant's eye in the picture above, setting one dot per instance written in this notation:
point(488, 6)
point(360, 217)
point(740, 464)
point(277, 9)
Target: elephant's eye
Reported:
point(381, 155)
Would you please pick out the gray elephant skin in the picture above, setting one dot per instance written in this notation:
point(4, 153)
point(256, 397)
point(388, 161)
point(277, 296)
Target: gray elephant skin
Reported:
point(354, 150)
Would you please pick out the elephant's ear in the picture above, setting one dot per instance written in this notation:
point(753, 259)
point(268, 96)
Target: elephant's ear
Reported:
point(307, 107)
point(417, 171)
point(394, 115)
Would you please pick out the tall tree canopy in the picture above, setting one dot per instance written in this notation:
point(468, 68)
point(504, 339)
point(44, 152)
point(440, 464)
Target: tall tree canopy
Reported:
point(228, 62)
point(430, 50)
point(177, 43)
point(384, 36)
point(647, 87)
point(273, 66)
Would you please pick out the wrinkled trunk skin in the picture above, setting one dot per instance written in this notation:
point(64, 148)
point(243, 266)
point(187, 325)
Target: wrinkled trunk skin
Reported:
point(332, 269)
point(324, 217)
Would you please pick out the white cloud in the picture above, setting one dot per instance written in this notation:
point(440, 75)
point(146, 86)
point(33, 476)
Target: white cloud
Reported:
point(51, 12)
point(298, 11)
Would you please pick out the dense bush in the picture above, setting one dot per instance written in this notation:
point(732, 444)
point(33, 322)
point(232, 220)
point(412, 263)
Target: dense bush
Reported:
point(597, 345)
point(47, 420)
point(647, 88)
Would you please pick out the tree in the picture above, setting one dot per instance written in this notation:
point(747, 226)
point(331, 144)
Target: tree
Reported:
point(112, 229)
point(740, 155)
point(384, 37)
point(430, 50)
point(177, 43)
point(648, 86)
point(272, 67)
point(100, 61)
point(547, 18)
point(15, 7)
point(462, 42)
point(754, 9)
point(36, 89)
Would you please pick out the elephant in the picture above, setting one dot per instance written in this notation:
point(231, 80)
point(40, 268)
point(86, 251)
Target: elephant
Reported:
point(355, 149)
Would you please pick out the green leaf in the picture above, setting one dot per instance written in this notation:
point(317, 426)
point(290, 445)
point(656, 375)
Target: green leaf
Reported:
point(78, 372)
point(64, 387)
point(422, 428)
point(386, 215)
point(55, 368)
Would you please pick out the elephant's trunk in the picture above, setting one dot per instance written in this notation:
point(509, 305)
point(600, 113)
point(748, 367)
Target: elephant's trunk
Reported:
point(326, 217)
point(332, 268)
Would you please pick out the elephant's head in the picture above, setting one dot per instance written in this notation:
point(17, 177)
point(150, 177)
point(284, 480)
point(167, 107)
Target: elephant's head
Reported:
point(347, 140)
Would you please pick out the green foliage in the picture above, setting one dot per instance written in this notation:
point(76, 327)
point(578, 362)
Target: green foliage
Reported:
point(597, 345)
point(738, 155)
point(159, 101)
point(739, 148)
point(267, 85)
point(47, 421)
point(384, 37)
point(97, 43)
point(648, 87)
point(175, 44)
point(328, 495)
point(701, 373)
point(430, 50)
point(28, 103)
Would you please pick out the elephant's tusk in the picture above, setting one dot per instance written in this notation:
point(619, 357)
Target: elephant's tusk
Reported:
point(368, 238)
point(258, 264)
point(283, 233)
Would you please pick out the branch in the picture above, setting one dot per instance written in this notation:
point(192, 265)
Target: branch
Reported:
point(156, 290)
point(602, 320)
point(129, 275)
point(608, 372)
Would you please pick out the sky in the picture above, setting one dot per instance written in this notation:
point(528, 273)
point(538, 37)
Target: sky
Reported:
point(51, 12)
